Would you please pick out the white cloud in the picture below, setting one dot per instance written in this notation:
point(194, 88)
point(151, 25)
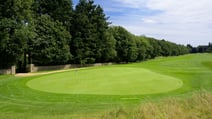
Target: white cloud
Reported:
point(182, 21)
point(132, 3)
point(145, 20)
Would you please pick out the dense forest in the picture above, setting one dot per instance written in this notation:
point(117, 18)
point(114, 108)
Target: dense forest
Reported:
point(51, 32)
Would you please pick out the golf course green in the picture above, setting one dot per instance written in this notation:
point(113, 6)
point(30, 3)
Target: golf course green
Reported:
point(93, 90)
point(106, 81)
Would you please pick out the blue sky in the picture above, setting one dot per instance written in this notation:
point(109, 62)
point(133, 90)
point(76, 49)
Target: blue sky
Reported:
point(179, 21)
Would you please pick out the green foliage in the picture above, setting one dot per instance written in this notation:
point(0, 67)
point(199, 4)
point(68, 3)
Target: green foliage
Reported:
point(108, 47)
point(51, 31)
point(157, 50)
point(89, 31)
point(142, 48)
point(15, 20)
point(50, 46)
point(147, 47)
point(132, 48)
point(60, 10)
point(125, 45)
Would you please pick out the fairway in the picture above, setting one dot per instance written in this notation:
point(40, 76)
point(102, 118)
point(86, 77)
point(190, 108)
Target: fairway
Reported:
point(94, 90)
point(108, 80)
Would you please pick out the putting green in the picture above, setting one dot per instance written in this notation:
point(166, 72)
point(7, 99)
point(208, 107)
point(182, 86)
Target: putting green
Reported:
point(108, 80)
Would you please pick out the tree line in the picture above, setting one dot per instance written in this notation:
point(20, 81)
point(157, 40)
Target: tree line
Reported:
point(51, 32)
point(201, 48)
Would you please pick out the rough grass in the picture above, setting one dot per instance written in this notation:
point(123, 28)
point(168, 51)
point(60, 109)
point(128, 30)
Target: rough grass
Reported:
point(198, 106)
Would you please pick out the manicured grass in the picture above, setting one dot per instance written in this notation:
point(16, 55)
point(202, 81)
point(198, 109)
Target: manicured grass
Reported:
point(25, 97)
point(111, 80)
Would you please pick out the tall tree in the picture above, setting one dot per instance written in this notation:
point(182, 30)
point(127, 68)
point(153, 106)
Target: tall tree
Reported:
point(100, 24)
point(156, 47)
point(165, 48)
point(88, 30)
point(60, 10)
point(125, 45)
point(108, 48)
point(81, 30)
point(142, 48)
point(15, 20)
point(52, 25)
point(50, 46)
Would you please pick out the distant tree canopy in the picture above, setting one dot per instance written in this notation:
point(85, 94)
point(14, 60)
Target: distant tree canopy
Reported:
point(200, 48)
point(48, 32)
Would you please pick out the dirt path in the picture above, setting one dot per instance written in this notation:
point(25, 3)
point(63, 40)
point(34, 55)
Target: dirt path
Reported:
point(42, 73)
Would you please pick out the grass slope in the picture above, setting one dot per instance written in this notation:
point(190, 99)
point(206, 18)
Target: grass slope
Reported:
point(18, 99)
